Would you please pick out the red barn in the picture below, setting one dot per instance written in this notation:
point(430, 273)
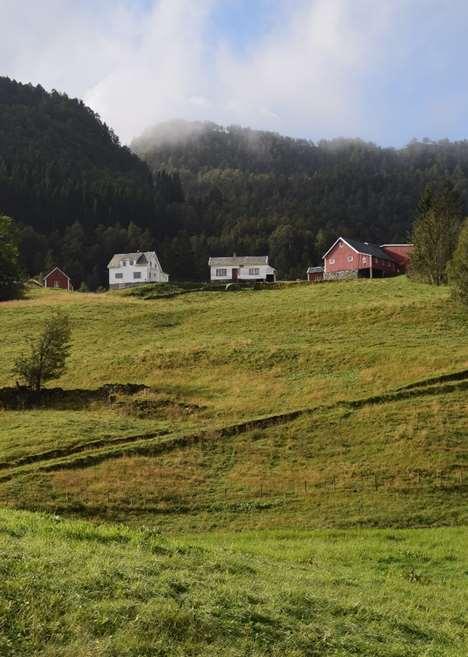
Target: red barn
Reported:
point(58, 279)
point(401, 253)
point(349, 258)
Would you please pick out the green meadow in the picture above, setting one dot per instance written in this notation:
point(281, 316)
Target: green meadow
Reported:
point(287, 478)
point(75, 588)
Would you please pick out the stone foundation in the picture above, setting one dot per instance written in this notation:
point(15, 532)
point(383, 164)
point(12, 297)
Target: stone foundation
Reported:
point(347, 274)
point(121, 286)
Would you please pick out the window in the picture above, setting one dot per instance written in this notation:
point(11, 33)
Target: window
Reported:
point(341, 245)
point(119, 275)
point(331, 261)
point(137, 274)
point(221, 272)
point(350, 258)
point(254, 271)
point(364, 259)
point(124, 263)
point(131, 262)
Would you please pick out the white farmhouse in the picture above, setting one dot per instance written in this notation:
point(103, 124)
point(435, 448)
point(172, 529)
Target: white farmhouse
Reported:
point(127, 269)
point(241, 268)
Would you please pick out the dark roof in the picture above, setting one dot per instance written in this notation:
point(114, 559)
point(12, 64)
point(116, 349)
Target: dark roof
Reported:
point(368, 248)
point(139, 258)
point(314, 270)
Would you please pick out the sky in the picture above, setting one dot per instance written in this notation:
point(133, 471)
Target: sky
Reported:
point(386, 71)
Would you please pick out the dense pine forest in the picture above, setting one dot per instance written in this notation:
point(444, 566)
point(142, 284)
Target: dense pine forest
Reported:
point(77, 194)
point(191, 190)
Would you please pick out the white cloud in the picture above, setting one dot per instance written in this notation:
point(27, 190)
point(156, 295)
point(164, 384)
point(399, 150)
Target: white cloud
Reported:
point(309, 75)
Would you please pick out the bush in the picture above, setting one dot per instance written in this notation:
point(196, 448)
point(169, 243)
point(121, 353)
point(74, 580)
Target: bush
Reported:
point(48, 355)
point(458, 268)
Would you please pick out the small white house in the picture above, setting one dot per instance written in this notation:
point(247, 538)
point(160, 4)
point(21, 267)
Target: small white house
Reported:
point(241, 268)
point(127, 269)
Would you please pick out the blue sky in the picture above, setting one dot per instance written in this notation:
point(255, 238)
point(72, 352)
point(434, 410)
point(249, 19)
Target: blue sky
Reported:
point(382, 70)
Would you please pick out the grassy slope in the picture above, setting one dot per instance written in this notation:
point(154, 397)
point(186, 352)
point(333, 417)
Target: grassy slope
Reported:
point(291, 347)
point(394, 460)
point(394, 463)
point(117, 591)
point(241, 355)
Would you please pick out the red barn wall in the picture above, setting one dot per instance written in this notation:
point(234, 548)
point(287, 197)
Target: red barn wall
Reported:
point(340, 254)
point(399, 252)
point(315, 277)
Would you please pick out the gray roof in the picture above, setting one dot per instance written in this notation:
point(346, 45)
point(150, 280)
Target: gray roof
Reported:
point(368, 249)
point(314, 270)
point(118, 257)
point(237, 261)
point(362, 247)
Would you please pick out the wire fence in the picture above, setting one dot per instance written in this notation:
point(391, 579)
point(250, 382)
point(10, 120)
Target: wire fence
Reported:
point(255, 494)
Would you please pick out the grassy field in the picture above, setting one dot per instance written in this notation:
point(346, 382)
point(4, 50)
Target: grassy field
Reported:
point(71, 588)
point(362, 449)
point(290, 475)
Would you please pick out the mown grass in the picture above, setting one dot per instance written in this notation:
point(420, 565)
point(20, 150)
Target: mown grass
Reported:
point(73, 588)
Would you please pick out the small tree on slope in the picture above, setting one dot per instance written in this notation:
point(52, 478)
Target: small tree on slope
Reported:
point(458, 268)
point(435, 233)
point(48, 355)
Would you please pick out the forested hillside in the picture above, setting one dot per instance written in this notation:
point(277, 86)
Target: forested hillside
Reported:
point(80, 196)
point(67, 180)
point(258, 191)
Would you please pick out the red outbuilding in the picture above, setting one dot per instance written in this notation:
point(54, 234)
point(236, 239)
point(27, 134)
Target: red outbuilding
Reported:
point(349, 258)
point(58, 279)
point(315, 274)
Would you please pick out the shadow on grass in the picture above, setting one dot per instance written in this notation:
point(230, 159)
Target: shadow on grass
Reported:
point(21, 398)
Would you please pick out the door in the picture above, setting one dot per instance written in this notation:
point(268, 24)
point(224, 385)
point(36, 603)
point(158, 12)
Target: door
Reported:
point(235, 274)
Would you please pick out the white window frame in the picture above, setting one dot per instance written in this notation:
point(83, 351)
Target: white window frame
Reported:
point(137, 275)
point(331, 261)
point(221, 272)
point(118, 275)
point(350, 258)
point(254, 271)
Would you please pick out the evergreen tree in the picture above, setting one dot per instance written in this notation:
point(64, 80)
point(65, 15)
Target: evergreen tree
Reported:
point(10, 272)
point(435, 233)
point(458, 268)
